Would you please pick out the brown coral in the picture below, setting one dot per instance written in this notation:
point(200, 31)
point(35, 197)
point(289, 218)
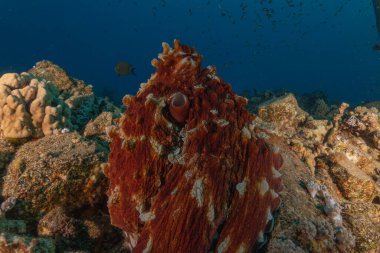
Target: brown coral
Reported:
point(30, 107)
point(208, 184)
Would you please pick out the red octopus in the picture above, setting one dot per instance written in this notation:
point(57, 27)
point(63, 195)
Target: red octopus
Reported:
point(188, 169)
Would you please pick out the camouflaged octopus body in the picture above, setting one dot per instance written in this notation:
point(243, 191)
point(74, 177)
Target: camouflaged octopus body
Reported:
point(208, 183)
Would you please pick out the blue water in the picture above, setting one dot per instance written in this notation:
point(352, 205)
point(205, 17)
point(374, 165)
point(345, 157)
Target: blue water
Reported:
point(298, 45)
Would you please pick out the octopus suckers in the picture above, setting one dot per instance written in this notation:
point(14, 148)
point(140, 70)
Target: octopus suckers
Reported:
point(274, 194)
point(245, 133)
point(157, 147)
point(142, 87)
point(275, 149)
point(211, 212)
point(130, 240)
point(175, 157)
point(174, 191)
point(276, 173)
point(199, 86)
point(241, 187)
point(263, 135)
point(223, 246)
point(185, 60)
point(242, 248)
point(149, 246)
point(114, 197)
point(222, 122)
point(188, 174)
point(193, 64)
point(260, 237)
point(148, 216)
point(197, 191)
point(214, 112)
point(263, 186)
point(156, 101)
point(269, 215)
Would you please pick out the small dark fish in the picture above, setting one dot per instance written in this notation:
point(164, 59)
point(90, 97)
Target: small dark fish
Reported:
point(376, 47)
point(123, 68)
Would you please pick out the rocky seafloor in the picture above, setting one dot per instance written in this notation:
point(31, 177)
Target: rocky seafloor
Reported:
point(54, 146)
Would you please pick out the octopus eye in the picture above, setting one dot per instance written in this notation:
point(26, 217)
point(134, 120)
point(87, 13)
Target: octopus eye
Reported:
point(179, 107)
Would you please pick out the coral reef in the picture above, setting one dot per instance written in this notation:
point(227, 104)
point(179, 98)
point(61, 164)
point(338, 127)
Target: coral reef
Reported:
point(188, 169)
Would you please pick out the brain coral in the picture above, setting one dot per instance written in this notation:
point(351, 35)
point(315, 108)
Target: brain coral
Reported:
point(30, 107)
point(188, 169)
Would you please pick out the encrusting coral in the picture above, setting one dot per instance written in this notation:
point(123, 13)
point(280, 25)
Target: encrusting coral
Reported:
point(188, 170)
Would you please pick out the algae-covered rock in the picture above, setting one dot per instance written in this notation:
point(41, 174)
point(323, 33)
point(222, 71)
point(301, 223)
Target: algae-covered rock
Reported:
point(284, 112)
point(53, 73)
point(57, 223)
point(364, 220)
point(343, 158)
point(302, 224)
point(62, 169)
point(353, 183)
point(98, 125)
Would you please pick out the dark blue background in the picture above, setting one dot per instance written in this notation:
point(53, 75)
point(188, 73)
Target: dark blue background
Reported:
point(297, 45)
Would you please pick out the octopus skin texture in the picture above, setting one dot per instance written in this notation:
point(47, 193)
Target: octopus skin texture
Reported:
point(188, 169)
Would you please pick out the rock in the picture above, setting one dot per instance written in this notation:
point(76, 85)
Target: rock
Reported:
point(316, 103)
point(302, 224)
point(283, 245)
point(284, 112)
point(52, 171)
point(364, 122)
point(354, 184)
point(55, 74)
point(364, 221)
point(57, 223)
point(98, 125)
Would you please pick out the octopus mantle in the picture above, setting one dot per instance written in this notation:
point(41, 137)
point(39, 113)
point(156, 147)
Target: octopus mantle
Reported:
point(188, 169)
